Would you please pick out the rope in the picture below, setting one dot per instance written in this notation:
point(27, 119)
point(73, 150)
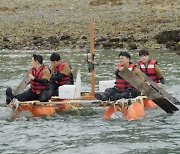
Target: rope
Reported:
point(116, 107)
point(125, 103)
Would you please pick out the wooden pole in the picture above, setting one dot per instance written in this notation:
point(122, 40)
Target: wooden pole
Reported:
point(92, 93)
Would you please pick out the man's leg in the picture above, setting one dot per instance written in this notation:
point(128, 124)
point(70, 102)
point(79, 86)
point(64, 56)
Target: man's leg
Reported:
point(45, 96)
point(28, 95)
point(9, 95)
point(105, 95)
point(127, 93)
point(54, 88)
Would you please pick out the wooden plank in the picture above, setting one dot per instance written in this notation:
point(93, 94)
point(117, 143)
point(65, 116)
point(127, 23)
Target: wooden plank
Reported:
point(80, 103)
point(161, 90)
point(148, 91)
point(22, 85)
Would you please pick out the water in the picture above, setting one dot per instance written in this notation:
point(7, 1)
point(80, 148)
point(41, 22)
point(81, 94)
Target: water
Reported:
point(85, 130)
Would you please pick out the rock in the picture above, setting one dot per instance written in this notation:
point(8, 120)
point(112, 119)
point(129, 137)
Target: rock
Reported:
point(103, 2)
point(84, 37)
point(119, 45)
point(3, 9)
point(132, 46)
point(53, 40)
point(114, 40)
point(168, 36)
point(65, 37)
point(5, 39)
point(107, 45)
point(102, 39)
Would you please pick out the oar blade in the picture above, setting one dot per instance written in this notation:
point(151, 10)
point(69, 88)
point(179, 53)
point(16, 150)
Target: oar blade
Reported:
point(160, 90)
point(22, 85)
point(148, 91)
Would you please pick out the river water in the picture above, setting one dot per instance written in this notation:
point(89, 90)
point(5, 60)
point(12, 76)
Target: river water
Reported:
point(85, 131)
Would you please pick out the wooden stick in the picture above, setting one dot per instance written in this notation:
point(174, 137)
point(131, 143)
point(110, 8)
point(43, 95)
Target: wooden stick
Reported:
point(81, 102)
point(92, 93)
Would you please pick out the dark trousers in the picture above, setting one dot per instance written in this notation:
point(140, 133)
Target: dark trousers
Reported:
point(54, 88)
point(53, 91)
point(29, 95)
point(114, 94)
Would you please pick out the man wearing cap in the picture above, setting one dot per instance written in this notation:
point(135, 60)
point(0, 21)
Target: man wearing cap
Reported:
point(39, 76)
point(122, 88)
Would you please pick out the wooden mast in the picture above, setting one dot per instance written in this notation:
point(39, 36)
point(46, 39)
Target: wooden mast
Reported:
point(92, 93)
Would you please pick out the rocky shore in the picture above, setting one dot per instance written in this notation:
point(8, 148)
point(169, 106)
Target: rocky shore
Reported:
point(56, 24)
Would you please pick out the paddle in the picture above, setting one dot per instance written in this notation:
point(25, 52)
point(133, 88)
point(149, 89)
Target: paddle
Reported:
point(22, 85)
point(163, 102)
point(3, 105)
point(161, 90)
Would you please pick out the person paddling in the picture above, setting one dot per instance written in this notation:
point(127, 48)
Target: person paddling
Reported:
point(39, 75)
point(122, 88)
point(150, 68)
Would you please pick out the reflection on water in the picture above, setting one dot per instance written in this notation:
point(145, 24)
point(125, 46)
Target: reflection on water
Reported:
point(86, 131)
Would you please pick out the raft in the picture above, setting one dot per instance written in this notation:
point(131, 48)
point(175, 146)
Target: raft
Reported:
point(37, 108)
point(132, 109)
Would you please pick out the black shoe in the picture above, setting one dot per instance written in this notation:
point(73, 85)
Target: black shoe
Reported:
point(104, 97)
point(98, 96)
point(9, 95)
point(101, 96)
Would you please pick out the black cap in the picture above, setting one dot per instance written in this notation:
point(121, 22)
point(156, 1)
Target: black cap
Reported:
point(55, 57)
point(126, 54)
point(38, 58)
point(143, 52)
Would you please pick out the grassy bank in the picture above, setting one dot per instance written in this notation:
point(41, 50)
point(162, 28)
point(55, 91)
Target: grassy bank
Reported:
point(55, 24)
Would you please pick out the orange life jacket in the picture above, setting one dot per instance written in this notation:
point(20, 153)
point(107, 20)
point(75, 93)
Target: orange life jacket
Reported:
point(36, 86)
point(149, 70)
point(65, 79)
point(121, 83)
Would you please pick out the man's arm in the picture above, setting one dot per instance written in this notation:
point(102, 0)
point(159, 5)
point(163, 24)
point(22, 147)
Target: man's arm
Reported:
point(137, 71)
point(45, 78)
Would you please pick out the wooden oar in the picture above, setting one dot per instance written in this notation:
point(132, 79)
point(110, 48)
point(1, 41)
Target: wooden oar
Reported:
point(161, 90)
point(3, 105)
point(22, 85)
point(163, 102)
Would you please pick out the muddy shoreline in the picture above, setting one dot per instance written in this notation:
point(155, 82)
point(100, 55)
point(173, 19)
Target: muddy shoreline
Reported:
point(51, 24)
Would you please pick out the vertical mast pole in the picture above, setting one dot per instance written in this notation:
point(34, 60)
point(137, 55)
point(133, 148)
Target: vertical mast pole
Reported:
point(92, 93)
